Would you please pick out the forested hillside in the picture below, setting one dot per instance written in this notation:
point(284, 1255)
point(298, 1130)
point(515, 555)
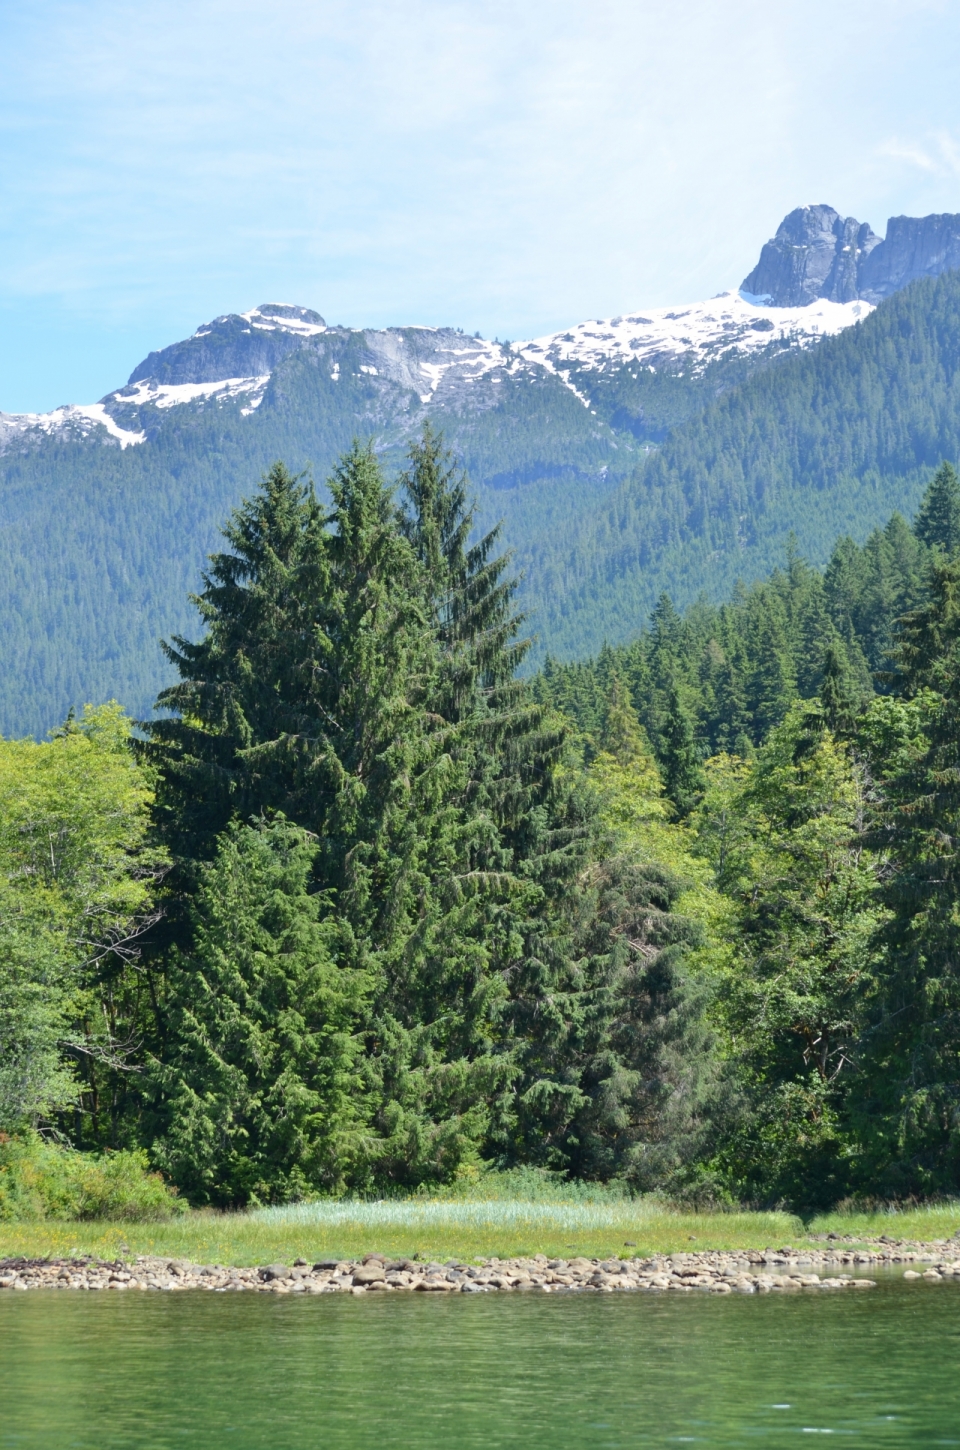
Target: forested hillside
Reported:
point(366, 911)
point(105, 532)
point(614, 482)
point(819, 444)
point(101, 545)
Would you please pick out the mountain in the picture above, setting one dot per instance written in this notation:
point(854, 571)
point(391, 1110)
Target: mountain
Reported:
point(819, 255)
point(109, 509)
point(822, 443)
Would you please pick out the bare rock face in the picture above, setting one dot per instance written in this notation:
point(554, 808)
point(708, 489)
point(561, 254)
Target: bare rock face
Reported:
point(914, 247)
point(816, 253)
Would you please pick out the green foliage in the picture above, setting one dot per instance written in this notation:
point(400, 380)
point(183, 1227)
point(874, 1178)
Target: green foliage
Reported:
point(77, 878)
point(358, 674)
point(260, 1094)
point(829, 839)
point(786, 835)
point(35, 979)
point(908, 1105)
point(42, 1180)
point(680, 918)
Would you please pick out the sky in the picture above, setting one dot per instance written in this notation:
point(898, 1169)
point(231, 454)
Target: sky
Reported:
point(504, 166)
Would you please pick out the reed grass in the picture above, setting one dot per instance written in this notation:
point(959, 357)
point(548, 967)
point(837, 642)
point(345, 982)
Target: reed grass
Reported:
point(459, 1228)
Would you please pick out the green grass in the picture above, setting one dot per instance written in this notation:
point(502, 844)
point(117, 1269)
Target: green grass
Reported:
point(464, 1229)
point(588, 1222)
point(934, 1221)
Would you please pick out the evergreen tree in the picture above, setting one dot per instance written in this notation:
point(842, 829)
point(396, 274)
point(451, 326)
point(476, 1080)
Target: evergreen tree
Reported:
point(911, 1086)
point(259, 1094)
point(622, 735)
point(771, 686)
point(311, 694)
point(251, 678)
point(620, 1071)
point(803, 888)
point(732, 729)
point(938, 520)
point(682, 771)
point(648, 1082)
point(838, 694)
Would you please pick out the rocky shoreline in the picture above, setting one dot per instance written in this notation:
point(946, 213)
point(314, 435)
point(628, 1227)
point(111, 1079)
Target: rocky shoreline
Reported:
point(721, 1272)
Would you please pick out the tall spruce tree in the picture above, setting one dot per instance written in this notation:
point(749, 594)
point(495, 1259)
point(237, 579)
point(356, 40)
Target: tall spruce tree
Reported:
point(938, 520)
point(680, 758)
point(311, 694)
point(910, 1094)
point(523, 866)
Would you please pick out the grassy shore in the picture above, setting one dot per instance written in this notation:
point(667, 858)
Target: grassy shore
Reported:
point(463, 1229)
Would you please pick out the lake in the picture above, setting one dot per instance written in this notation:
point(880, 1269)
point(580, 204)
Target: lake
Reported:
point(196, 1371)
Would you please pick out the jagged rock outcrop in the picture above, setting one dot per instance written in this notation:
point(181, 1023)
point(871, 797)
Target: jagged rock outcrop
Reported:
point(816, 253)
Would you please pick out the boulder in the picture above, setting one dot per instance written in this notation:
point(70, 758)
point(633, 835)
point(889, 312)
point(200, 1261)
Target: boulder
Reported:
point(370, 1273)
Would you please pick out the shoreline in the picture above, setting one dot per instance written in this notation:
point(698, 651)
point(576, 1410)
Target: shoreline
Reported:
point(714, 1271)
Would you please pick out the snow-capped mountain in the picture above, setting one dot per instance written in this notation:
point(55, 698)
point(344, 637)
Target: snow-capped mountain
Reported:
point(234, 356)
point(809, 286)
point(109, 509)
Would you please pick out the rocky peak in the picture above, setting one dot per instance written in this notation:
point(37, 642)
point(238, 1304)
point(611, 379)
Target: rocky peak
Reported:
point(287, 317)
point(816, 253)
point(237, 345)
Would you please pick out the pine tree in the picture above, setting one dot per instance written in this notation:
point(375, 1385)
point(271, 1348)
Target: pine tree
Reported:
point(682, 771)
point(314, 693)
point(803, 889)
point(622, 735)
point(250, 678)
point(844, 580)
point(838, 694)
point(470, 589)
point(938, 520)
point(771, 686)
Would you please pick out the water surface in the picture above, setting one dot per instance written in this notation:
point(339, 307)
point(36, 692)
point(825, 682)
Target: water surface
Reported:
point(200, 1371)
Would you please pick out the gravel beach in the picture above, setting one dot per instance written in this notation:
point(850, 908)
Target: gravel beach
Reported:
point(834, 1267)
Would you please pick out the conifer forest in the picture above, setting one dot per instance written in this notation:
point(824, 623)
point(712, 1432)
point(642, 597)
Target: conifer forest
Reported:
point(364, 906)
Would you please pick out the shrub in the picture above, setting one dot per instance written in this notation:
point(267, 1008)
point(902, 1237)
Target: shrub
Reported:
point(41, 1180)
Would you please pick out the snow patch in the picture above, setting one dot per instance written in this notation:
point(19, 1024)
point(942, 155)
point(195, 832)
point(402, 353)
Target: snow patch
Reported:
point(77, 417)
point(171, 395)
point(283, 317)
point(731, 323)
point(479, 355)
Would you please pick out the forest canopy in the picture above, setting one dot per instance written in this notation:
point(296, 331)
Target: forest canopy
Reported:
point(362, 909)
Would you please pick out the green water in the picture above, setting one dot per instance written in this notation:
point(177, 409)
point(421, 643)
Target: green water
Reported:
point(81, 1371)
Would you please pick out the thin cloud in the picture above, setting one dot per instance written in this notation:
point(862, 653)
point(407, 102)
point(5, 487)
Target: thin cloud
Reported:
point(940, 158)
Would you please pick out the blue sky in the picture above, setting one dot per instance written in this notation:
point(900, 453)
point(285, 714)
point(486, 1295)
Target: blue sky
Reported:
point(508, 167)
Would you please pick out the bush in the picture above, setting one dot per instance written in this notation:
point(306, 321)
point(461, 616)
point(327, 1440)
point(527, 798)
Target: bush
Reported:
point(41, 1180)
